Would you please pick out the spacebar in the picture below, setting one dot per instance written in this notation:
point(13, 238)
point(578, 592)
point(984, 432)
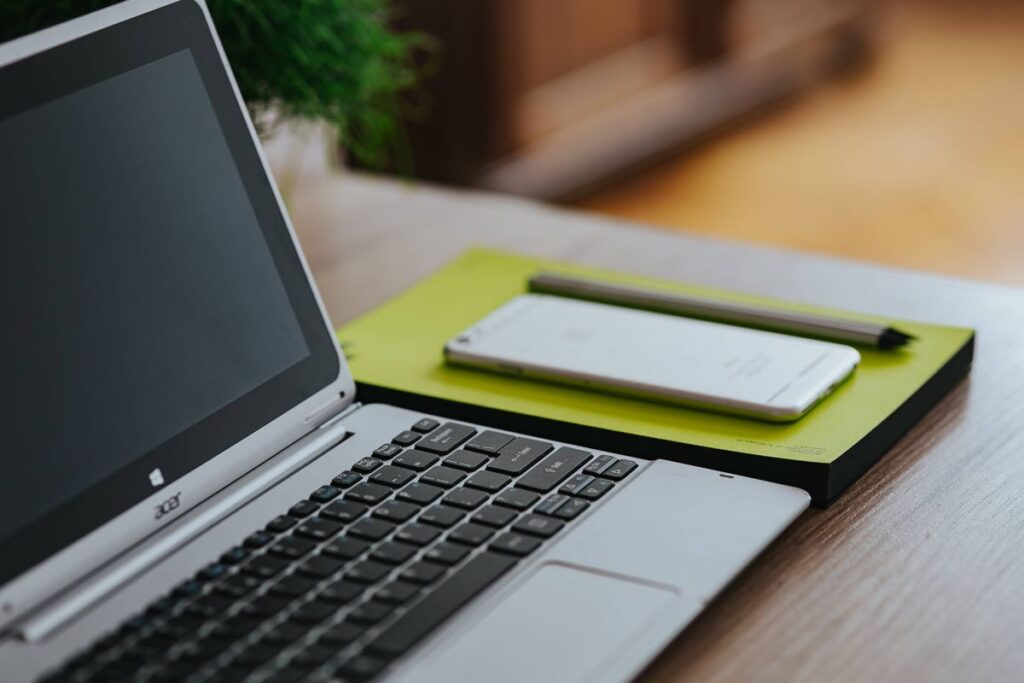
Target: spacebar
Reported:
point(441, 603)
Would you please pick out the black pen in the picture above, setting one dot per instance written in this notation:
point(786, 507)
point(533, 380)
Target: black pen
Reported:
point(746, 315)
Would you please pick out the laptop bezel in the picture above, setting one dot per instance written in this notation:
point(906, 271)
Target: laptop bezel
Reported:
point(90, 552)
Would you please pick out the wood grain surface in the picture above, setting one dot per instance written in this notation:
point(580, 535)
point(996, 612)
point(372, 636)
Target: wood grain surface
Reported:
point(914, 162)
point(915, 574)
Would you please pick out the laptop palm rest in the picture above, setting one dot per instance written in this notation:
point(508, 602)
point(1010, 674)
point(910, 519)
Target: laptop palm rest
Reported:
point(560, 624)
point(608, 596)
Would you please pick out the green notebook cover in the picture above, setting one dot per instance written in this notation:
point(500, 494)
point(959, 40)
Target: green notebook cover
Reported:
point(395, 354)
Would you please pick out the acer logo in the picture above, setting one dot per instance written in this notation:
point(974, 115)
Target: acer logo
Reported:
point(168, 506)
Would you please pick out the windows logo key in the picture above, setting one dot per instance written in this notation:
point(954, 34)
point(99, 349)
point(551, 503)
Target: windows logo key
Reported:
point(156, 477)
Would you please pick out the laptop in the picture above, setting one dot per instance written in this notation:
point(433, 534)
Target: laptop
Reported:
point(192, 490)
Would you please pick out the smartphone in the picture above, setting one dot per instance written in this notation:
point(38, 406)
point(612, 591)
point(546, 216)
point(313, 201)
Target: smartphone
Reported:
point(699, 364)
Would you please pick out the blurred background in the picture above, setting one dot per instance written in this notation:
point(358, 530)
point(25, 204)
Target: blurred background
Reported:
point(889, 131)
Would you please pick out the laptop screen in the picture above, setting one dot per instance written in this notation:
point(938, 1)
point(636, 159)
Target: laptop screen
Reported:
point(156, 311)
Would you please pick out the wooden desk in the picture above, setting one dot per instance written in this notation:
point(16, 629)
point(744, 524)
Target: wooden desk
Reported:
point(915, 574)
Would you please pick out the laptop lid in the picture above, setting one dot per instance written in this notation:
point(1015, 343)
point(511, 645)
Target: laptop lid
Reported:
point(164, 335)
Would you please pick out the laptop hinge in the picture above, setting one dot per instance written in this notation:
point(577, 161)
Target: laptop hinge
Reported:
point(51, 618)
point(328, 412)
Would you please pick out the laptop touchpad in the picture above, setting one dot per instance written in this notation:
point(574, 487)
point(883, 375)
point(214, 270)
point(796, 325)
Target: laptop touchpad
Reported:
point(561, 624)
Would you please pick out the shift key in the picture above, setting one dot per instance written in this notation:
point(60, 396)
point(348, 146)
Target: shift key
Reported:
point(519, 455)
point(554, 469)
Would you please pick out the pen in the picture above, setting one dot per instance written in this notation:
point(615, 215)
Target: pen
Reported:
point(747, 315)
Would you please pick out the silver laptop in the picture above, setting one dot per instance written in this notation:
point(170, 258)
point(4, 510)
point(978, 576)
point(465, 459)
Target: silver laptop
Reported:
point(191, 490)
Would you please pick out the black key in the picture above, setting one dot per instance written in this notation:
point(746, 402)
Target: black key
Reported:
point(488, 481)
point(447, 553)
point(575, 485)
point(292, 586)
point(620, 470)
point(163, 605)
point(489, 442)
point(212, 572)
point(551, 504)
point(600, 464)
point(461, 587)
point(572, 509)
point(341, 634)
point(371, 612)
point(346, 479)
point(368, 572)
point(443, 476)
point(313, 613)
point(470, 534)
point(238, 586)
point(258, 539)
point(204, 650)
point(465, 498)
point(320, 566)
point(492, 515)
point(281, 523)
point(341, 592)
point(392, 476)
point(235, 555)
point(426, 425)
point(417, 534)
point(291, 547)
point(310, 658)
point(445, 438)
point(538, 525)
point(397, 592)
point(553, 469)
point(230, 629)
point(324, 494)
point(263, 607)
point(208, 606)
point(416, 460)
point(516, 499)
point(344, 511)
point(396, 511)
point(176, 629)
point(422, 572)
point(231, 674)
point(318, 529)
point(304, 508)
point(421, 494)
point(387, 451)
point(346, 548)
point(292, 674)
point(371, 494)
point(515, 544)
point(371, 529)
point(442, 516)
point(265, 566)
point(361, 668)
point(366, 465)
point(465, 460)
point(393, 552)
point(256, 654)
point(519, 455)
point(406, 438)
point(596, 489)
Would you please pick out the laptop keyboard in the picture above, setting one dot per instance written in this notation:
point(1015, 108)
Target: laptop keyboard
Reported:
point(349, 579)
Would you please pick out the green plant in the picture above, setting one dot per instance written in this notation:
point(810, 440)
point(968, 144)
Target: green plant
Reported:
point(335, 60)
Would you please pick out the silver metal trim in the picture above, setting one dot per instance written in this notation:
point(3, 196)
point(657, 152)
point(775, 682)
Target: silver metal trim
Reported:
point(69, 568)
point(53, 618)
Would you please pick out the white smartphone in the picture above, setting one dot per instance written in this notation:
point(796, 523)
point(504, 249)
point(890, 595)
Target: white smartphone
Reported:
point(655, 356)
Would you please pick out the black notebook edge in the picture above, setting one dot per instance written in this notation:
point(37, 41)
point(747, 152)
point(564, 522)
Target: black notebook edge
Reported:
point(825, 482)
point(858, 459)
